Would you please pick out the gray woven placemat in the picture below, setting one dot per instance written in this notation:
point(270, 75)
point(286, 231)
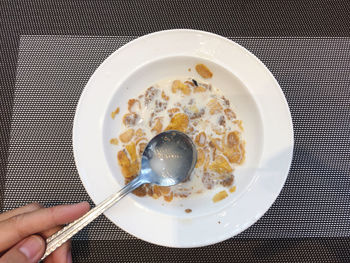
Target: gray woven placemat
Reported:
point(314, 74)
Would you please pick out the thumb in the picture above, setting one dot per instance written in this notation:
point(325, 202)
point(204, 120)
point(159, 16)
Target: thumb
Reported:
point(29, 250)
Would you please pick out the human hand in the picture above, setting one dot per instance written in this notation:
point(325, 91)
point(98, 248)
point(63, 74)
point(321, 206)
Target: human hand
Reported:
point(23, 232)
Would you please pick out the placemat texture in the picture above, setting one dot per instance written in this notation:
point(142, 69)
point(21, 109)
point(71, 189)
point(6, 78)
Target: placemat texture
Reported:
point(314, 74)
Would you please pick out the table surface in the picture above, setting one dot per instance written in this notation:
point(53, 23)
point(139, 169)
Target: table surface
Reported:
point(304, 44)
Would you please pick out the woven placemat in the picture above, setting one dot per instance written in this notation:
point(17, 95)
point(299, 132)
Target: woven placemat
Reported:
point(314, 74)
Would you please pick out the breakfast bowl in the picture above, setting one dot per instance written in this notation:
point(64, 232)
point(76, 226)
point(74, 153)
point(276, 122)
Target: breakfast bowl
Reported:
point(253, 94)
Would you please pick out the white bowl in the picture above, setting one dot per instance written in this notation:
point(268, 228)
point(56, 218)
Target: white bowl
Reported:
point(257, 99)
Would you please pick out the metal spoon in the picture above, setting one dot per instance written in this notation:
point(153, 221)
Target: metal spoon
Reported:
point(168, 159)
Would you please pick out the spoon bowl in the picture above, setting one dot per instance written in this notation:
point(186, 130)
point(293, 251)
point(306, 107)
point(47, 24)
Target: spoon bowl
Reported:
point(168, 159)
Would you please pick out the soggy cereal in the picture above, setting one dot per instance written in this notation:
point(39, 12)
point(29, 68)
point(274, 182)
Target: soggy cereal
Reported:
point(197, 109)
point(114, 141)
point(232, 189)
point(219, 196)
point(204, 71)
point(115, 112)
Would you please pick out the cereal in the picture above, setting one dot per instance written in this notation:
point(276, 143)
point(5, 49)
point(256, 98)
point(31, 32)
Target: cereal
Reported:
point(230, 114)
point(227, 181)
point(214, 106)
point(131, 105)
point(179, 122)
point(127, 135)
point(190, 130)
point(115, 113)
point(215, 143)
point(200, 158)
point(161, 190)
point(142, 147)
point(220, 165)
point(172, 111)
point(239, 124)
point(204, 114)
point(232, 139)
point(164, 96)
point(141, 191)
point(209, 180)
point(157, 127)
point(169, 197)
point(178, 85)
point(219, 196)
point(160, 106)
point(130, 119)
point(222, 121)
point(199, 89)
point(232, 189)
point(151, 92)
point(139, 133)
point(234, 154)
point(218, 130)
point(128, 169)
point(187, 82)
point(233, 149)
point(201, 139)
point(131, 148)
point(114, 141)
point(226, 101)
point(204, 71)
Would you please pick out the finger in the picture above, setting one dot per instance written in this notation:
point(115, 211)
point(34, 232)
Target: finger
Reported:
point(29, 250)
point(20, 226)
point(21, 210)
point(61, 254)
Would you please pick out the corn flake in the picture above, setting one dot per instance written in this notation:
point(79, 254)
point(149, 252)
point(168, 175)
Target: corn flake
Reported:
point(126, 136)
point(178, 122)
point(157, 127)
point(129, 119)
point(142, 147)
point(131, 103)
point(230, 114)
point(139, 133)
point(128, 169)
point(220, 165)
point(200, 158)
point(201, 139)
point(169, 198)
point(220, 196)
point(115, 113)
point(114, 141)
point(131, 148)
point(214, 106)
point(178, 85)
point(204, 71)
point(232, 189)
point(164, 96)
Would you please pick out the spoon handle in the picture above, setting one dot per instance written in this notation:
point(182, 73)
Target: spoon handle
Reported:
point(57, 239)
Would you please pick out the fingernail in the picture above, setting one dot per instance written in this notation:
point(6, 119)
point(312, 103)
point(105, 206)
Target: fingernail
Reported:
point(32, 247)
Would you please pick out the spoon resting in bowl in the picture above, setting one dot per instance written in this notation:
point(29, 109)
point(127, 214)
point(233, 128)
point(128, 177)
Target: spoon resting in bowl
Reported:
point(168, 159)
